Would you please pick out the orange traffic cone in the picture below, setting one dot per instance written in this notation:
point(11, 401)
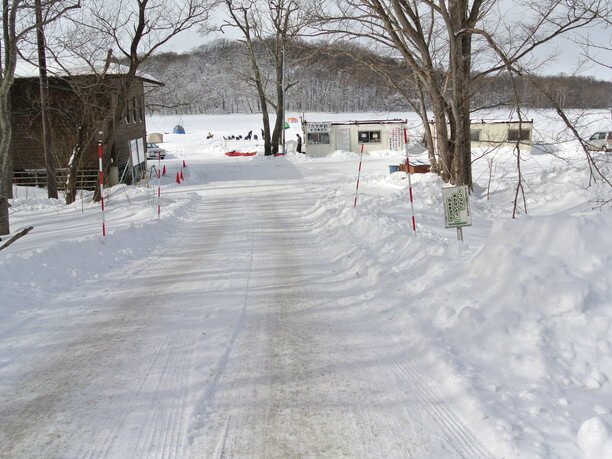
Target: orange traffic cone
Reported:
point(178, 178)
point(182, 176)
point(164, 171)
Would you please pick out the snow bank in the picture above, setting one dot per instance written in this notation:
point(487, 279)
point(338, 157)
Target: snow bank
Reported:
point(595, 438)
point(522, 319)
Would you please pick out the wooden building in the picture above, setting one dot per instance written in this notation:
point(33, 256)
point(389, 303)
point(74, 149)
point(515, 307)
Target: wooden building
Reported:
point(76, 111)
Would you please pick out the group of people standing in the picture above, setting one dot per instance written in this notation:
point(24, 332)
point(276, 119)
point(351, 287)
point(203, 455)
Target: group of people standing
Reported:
point(251, 136)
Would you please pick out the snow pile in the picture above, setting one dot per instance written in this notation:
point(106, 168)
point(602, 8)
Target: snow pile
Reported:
point(595, 438)
point(51, 259)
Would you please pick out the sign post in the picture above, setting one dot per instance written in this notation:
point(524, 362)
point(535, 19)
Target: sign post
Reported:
point(456, 208)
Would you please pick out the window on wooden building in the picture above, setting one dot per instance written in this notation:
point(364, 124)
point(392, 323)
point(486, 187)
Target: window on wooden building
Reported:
point(134, 110)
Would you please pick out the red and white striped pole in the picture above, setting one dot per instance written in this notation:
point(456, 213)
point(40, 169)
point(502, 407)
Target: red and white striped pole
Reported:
point(158, 184)
point(358, 176)
point(101, 178)
point(409, 178)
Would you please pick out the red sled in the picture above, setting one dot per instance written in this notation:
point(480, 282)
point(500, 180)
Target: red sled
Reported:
point(240, 153)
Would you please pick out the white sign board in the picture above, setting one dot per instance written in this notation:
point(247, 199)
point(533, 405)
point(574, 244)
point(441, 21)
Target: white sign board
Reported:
point(318, 127)
point(396, 140)
point(134, 152)
point(456, 207)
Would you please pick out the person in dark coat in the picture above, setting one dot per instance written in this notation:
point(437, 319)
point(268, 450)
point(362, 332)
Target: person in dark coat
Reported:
point(299, 143)
point(249, 135)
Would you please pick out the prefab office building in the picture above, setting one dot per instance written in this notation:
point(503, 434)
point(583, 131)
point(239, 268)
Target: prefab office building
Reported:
point(323, 138)
point(498, 133)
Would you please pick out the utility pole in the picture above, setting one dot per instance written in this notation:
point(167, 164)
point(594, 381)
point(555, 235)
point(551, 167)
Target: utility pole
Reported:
point(44, 91)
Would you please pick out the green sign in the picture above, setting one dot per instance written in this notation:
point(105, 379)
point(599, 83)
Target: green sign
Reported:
point(456, 207)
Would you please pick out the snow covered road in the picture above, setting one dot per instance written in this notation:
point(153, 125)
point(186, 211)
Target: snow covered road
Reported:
point(300, 381)
point(241, 338)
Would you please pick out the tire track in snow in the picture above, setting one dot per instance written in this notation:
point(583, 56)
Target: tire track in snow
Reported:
point(205, 411)
point(295, 384)
point(103, 447)
point(291, 403)
point(97, 393)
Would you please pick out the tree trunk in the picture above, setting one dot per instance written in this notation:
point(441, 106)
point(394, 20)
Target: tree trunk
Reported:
point(74, 166)
point(280, 96)
point(463, 146)
point(44, 84)
point(460, 66)
point(6, 171)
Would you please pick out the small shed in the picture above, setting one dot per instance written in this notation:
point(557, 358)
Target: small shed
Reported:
point(323, 138)
point(178, 129)
point(488, 133)
point(499, 133)
point(155, 137)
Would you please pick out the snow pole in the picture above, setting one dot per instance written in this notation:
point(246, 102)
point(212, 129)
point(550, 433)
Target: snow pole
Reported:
point(101, 178)
point(358, 176)
point(158, 184)
point(409, 178)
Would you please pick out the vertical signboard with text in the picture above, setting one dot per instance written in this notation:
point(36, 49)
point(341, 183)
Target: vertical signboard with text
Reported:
point(456, 207)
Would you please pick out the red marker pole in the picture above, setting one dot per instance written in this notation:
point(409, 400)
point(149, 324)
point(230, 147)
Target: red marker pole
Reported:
point(158, 184)
point(101, 178)
point(358, 176)
point(409, 178)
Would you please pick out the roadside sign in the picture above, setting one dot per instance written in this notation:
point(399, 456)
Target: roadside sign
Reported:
point(456, 207)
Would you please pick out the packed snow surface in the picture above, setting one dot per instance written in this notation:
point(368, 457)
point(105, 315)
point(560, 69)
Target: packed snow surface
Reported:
point(262, 314)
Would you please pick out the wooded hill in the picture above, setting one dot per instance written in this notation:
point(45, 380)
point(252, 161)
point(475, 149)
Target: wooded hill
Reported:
point(214, 78)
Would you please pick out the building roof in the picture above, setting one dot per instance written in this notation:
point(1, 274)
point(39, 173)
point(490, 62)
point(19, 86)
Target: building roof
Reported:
point(358, 122)
point(25, 69)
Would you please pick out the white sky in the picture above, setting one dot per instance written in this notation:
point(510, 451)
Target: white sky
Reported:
point(568, 58)
point(566, 62)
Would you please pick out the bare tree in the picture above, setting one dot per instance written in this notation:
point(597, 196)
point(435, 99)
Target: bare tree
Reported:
point(440, 39)
point(246, 17)
point(267, 28)
point(44, 89)
point(133, 30)
point(18, 20)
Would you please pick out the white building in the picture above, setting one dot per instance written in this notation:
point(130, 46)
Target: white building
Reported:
point(495, 133)
point(323, 138)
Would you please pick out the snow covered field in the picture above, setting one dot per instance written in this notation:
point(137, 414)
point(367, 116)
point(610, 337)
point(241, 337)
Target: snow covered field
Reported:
point(263, 315)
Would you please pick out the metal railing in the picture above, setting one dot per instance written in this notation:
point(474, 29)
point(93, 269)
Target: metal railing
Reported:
point(87, 179)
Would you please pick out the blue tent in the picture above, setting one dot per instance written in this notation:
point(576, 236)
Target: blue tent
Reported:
point(178, 129)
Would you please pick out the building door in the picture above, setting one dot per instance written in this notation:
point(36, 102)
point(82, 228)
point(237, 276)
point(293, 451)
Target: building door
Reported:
point(343, 139)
